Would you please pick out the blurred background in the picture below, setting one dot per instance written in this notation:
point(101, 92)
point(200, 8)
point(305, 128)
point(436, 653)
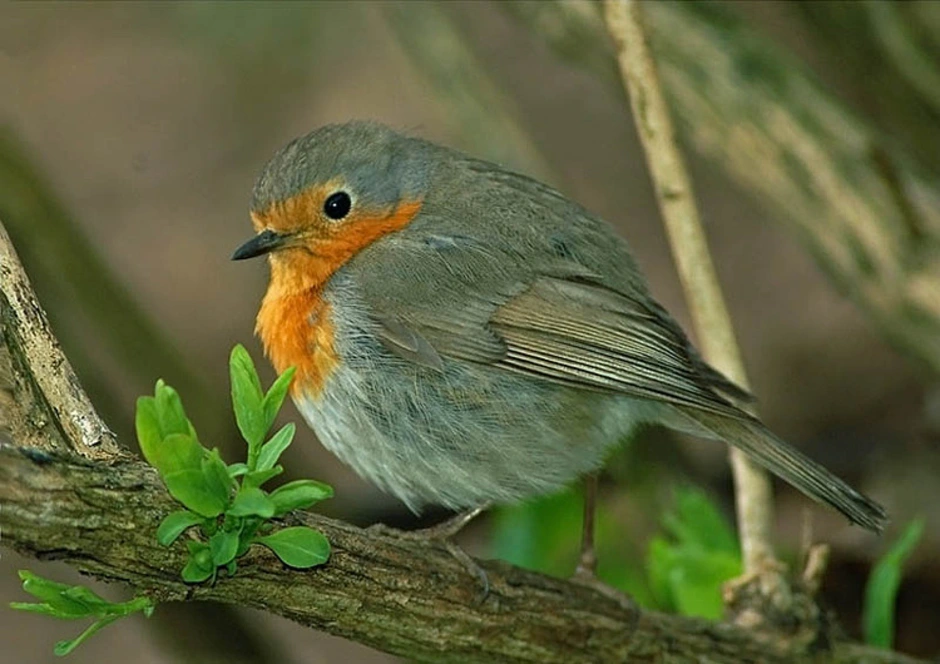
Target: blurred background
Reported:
point(130, 137)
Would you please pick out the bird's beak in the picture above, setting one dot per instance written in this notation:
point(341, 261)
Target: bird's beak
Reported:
point(264, 242)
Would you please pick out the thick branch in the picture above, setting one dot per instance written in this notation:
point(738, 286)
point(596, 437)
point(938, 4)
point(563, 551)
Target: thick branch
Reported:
point(397, 595)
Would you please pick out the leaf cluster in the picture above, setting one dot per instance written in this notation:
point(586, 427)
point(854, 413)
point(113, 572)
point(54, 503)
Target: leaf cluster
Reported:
point(226, 503)
point(63, 601)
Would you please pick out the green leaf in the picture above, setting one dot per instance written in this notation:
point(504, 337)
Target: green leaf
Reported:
point(299, 494)
point(175, 524)
point(170, 412)
point(252, 501)
point(176, 453)
point(237, 470)
point(63, 648)
point(55, 600)
point(256, 478)
point(299, 547)
point(181, 459)
point(250, 526)
point(70, 602)
point(89, 598)
point(696, 520)
point(195, 573)
point(199, 567)
point(44, 609)
point(538, 534)
point(882, 588)
point(41, 587)
point(688, 580)
point(247, 401)
point(223, 546)
point(216, 475)
point(147, 425)
point(687, 569)
point(274, 399)
point(271, 451)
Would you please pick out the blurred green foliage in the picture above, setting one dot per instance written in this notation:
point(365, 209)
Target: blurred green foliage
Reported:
point(695, 555)
point(686, 563)
point(882, 588)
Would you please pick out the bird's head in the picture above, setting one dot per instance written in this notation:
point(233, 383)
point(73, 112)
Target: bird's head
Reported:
point(329, 194)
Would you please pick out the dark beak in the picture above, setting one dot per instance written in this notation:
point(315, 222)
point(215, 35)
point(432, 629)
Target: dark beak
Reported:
point(262, 243)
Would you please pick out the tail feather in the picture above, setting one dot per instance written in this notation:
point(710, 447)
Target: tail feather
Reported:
point(792, 466)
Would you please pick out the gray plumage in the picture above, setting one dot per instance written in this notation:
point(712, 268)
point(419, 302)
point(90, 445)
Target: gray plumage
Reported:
point(500, 344)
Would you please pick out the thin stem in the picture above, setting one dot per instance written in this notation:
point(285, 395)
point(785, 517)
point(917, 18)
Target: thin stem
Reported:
point(693, 260)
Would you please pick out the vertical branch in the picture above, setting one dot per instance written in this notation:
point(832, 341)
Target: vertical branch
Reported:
point(693, 261)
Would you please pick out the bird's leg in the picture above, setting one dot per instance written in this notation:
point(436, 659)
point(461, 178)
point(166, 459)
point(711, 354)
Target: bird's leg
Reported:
point(587, 562)
point(586, 572)
point(441, 531)
point(450, 527)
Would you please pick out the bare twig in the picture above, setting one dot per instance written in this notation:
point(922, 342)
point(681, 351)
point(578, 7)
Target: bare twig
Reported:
point(693, 260)
point(83, 431)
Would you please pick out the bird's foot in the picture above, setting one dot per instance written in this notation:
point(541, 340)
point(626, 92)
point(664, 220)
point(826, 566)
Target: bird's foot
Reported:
point(588, 579)
point(442, 533)
point(585, 574)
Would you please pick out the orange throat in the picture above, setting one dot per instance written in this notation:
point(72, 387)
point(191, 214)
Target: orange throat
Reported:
point(294, 322)
point(296, 331)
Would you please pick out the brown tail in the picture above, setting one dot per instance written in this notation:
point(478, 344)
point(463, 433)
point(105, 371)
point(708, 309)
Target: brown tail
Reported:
point(790, 465)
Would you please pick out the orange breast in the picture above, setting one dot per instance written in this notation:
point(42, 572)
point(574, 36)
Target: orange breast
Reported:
point(294, 322)
point(297, 332)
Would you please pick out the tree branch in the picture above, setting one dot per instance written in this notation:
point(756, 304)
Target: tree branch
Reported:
point(863, 208)
point(394, 594)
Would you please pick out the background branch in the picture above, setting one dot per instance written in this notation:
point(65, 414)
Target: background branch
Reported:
point(394, 594)
point(863, 207)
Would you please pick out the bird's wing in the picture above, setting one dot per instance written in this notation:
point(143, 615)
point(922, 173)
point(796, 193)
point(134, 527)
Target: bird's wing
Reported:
point(553, 321)
point(590, 336)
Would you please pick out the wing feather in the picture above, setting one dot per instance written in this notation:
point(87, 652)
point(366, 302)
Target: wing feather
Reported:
point(589, 336)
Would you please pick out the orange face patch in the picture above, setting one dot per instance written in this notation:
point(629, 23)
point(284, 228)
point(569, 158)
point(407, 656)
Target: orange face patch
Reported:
point(294, 321)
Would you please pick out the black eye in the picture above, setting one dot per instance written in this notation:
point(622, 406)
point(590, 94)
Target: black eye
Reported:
point(337, 205)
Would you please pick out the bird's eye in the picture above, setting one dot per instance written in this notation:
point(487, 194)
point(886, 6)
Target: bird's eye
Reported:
point(337, 205)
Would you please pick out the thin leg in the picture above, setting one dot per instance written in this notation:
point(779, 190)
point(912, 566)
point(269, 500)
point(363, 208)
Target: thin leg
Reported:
point(441, 531)
point(587, 562)
point(586, 571)
point(450, 527)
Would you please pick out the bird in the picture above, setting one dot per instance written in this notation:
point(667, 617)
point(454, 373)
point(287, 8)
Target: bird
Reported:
point(465, 336)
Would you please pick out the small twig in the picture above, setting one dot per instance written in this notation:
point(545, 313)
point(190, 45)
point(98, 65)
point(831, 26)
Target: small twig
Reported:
point(817, 559)
point(817, 176)
point(693, 260)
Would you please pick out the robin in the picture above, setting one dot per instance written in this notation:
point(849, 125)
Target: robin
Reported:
point(466, 336)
